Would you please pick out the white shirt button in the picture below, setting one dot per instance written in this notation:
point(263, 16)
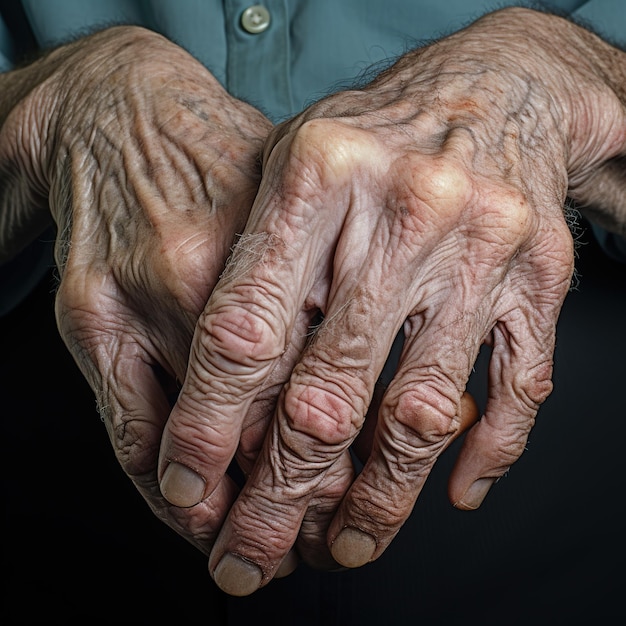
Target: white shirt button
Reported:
point(255, 19)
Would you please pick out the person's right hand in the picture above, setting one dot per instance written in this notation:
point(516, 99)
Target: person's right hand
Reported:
point(431, 200)
point(149, 168)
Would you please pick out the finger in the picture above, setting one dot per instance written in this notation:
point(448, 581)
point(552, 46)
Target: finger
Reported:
point(305, 463)
point(365, 439)
point(263, 525)
point(421, 409)
point(421, 415)
point(136, 413)
point(520, 368)
point(132, 393)
point(272, 278)
point(312, 542)
point(262, 408)
point(520, 380)
point(197, 445)
point(288, 565)
point(258, 419)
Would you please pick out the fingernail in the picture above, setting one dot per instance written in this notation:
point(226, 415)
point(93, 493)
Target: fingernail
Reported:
point(181, 486)
point(353, 548)
point(236, 576)
point(475, 495)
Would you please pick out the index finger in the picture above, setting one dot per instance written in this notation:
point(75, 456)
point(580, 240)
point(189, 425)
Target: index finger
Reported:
point(267, 295)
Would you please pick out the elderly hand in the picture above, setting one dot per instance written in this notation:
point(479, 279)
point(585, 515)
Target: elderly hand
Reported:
point(431, 201)
point(150, 169)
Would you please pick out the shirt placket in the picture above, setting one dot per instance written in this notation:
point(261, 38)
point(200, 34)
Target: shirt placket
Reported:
point(258, 67)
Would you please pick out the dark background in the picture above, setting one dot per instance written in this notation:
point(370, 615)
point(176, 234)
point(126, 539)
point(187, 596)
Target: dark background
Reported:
point(80, 546)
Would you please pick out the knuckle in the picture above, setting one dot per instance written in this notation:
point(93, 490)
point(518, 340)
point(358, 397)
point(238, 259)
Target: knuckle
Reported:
point(423, 418)
point(418, 424)
point(185, 259)
point(135, 450)
point(75, 298)
point(241, 339)
point(533, 386)
point(423, 411)
point(551, 258)
point(429, 190)
point(324, 413)
point(440, 182)
point(382, 512)
point(330, 150)
point(509, 219)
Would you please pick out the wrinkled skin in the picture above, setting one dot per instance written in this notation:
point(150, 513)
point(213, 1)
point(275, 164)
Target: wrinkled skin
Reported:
point(431, 201)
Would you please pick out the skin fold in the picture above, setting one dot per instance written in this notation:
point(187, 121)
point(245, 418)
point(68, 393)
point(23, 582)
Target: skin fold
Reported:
point(232, 290)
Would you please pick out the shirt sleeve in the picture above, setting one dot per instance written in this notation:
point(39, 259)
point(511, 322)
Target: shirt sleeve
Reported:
point(19, 276)
point(607, 18)
point(6, 48)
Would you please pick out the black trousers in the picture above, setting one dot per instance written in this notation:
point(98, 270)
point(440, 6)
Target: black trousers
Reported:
point(547, 547)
